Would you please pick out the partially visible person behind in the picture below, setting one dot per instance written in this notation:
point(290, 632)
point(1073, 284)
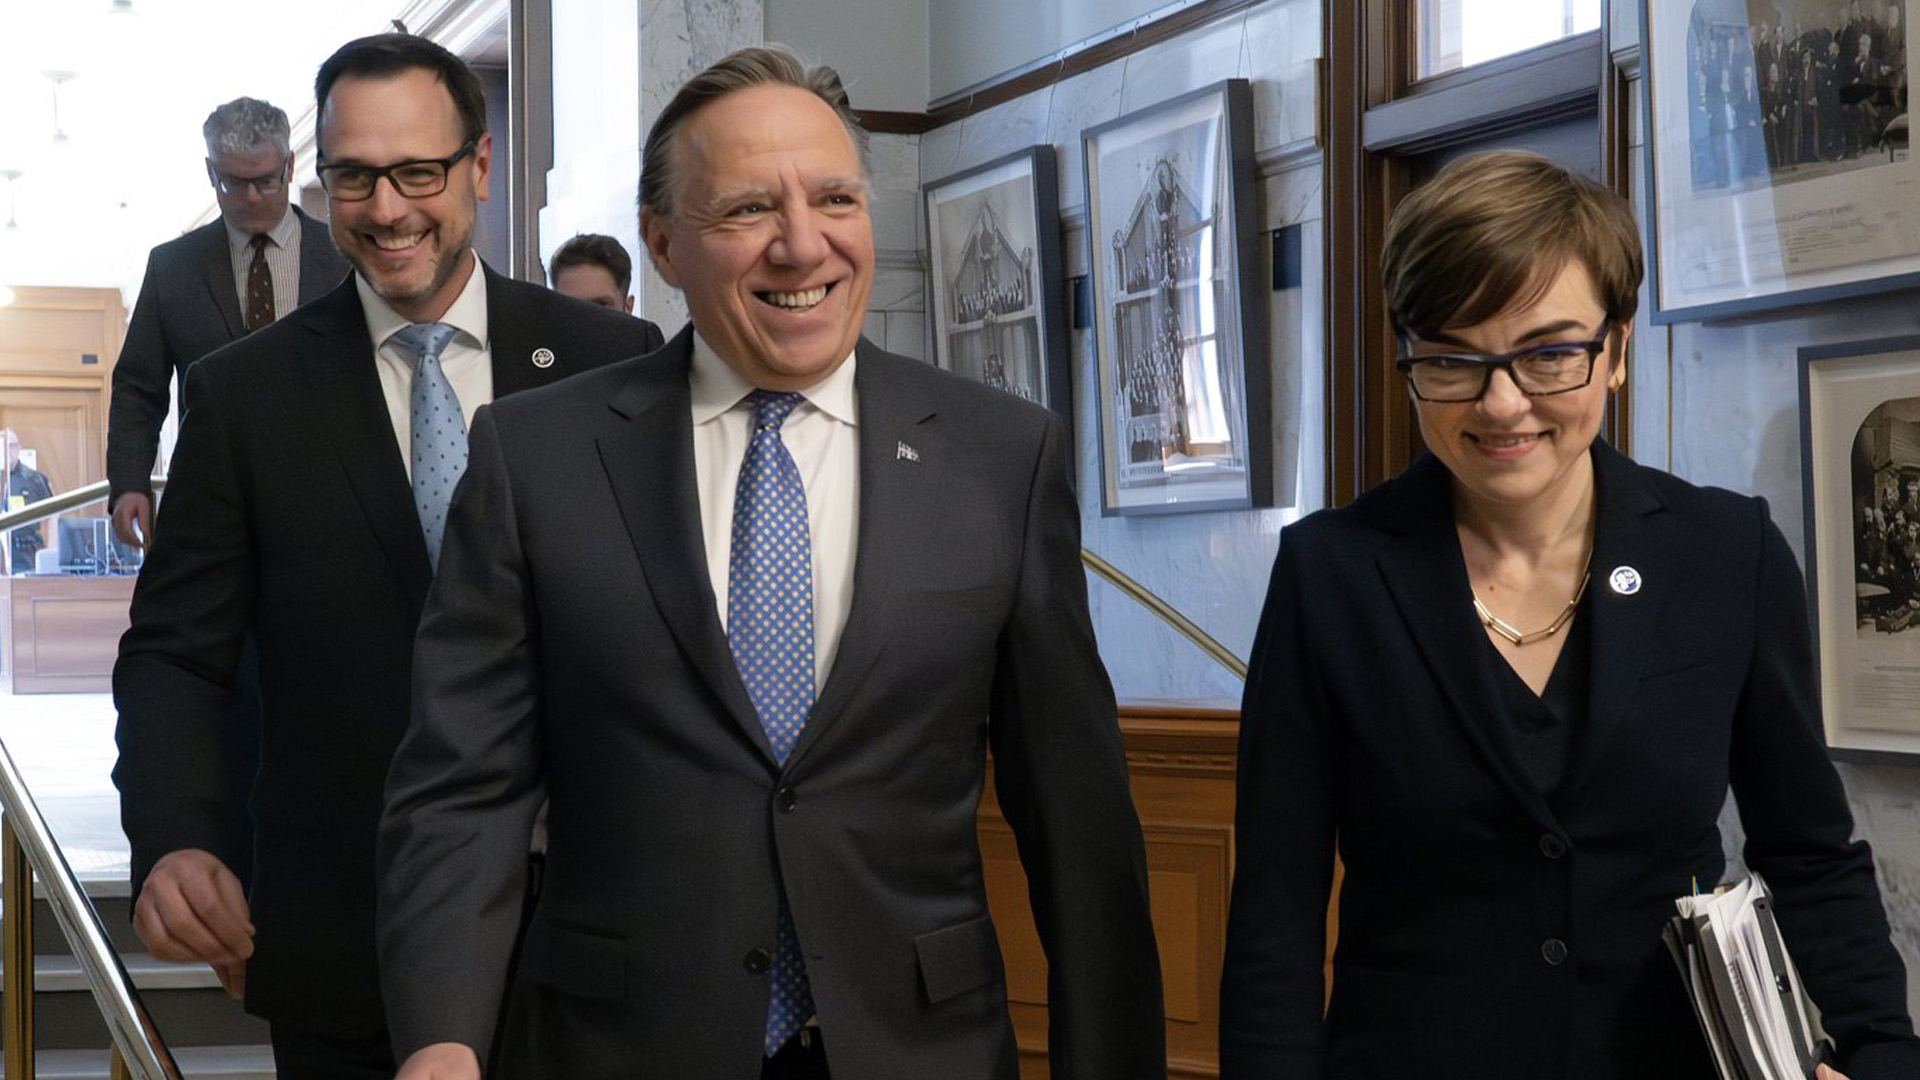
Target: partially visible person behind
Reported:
point(1515, 685)
point(594, 268)
point(21, 485)
point(304, 510)
point(211, 287)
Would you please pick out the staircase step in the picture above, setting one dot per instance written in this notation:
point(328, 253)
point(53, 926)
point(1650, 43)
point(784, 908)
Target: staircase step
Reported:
point(185, 1000)
point(210, 1062)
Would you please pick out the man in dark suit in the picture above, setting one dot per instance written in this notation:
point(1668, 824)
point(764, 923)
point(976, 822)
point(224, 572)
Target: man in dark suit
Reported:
point(648, 574)
point(307, 497)
point(213, 286)
point(20, 486)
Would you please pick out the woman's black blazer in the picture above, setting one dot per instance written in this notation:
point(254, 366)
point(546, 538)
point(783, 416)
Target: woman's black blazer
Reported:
point(1487, 930)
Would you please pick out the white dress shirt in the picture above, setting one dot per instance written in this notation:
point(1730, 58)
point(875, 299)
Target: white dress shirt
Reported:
point(283, 262)
point(823, 437)
point(467, 359)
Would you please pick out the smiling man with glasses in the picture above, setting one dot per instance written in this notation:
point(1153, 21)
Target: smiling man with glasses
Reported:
point(304, 509)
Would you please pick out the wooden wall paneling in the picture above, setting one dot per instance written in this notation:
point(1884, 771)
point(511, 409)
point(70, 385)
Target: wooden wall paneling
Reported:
point(1181, 762)
point(66, 632)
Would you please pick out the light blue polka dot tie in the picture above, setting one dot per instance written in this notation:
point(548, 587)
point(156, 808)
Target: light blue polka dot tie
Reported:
point(770, 632)
point(439, 450)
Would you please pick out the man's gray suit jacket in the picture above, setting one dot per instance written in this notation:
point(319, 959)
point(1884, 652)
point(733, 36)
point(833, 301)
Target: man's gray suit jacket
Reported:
point(189, 306)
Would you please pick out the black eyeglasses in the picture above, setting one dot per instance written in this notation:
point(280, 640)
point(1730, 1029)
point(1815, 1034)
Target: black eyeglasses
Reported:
point(1537, 370)
point(413, 179)
point(265, 184)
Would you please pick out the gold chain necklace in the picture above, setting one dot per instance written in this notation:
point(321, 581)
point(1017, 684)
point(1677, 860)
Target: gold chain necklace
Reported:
point(1513, 634)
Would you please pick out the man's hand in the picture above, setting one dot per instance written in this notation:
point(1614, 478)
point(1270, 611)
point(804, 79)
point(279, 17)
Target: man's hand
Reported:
point(131, 508)
point(441, 1061)
point(192, 908)
point(1827, 1072)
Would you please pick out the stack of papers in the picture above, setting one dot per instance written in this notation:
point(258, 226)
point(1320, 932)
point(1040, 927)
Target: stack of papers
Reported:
point(1758, 1020)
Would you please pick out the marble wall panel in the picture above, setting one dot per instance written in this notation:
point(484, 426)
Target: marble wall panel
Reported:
point(1084, 101)
point(1188, 62)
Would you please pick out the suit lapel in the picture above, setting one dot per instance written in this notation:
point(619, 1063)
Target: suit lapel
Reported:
point(337, 363)
point(216, 268)
point(315, 268)
point(647, 452)
point(890, 413)
point(1427, 578)
point(1633, 533)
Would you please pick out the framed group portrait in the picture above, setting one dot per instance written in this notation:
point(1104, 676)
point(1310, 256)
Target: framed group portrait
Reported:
point(1778, 164)
point(993, 234)
point(1860, 452)
point(1179, 343)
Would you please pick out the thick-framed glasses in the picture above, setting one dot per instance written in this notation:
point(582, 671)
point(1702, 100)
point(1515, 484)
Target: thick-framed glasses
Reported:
point(265, 184)
point(1556, 367)
point(413, 179)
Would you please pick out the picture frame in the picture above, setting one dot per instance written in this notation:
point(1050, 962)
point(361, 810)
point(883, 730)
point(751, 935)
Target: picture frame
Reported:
point(1778, 167)
point(998, 295)
point(1180, 342)
point(1860, 460)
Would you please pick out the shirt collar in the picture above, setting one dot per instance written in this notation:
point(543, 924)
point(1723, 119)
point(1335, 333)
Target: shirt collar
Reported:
point(716, 387)
point(468, 315)
point(281, 234)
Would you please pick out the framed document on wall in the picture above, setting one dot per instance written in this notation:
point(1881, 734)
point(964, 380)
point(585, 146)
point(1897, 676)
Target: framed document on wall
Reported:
point(994, 239)
point(1860, 449)
point(1179, 343)
point(1779, 169)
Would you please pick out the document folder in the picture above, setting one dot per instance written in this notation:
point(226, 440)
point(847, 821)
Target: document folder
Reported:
point(1757, 1018)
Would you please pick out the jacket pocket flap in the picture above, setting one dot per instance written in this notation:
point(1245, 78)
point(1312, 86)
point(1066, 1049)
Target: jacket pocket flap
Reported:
point(572, 962)
point(958, 958)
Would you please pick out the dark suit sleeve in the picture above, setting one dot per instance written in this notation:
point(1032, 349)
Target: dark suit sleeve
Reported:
point(140, 380)
point(654, 338)
point(173, 682)
point(1799, 835)
point(1062, 781)
point(466, 780)
point(1273, 988)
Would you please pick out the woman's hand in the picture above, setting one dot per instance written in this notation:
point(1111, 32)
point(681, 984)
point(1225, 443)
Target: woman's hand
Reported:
point(1825, 1072)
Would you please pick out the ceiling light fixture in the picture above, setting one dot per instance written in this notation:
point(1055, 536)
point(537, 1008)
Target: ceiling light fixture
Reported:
point(10, 175)
point(58, 79)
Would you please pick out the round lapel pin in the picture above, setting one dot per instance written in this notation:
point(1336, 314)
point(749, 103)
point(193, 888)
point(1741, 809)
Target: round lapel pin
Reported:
point(543, 358)
point(1625, 580)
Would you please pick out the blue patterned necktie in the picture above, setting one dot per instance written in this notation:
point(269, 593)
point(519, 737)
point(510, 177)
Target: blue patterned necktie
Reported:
point(770, 632)
point(439, 450)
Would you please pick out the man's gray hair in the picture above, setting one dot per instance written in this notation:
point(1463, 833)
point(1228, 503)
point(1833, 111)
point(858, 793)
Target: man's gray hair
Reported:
point(769, 65)
point(246, 126)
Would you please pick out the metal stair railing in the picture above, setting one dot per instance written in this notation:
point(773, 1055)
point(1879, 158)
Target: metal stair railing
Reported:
point(27, 850)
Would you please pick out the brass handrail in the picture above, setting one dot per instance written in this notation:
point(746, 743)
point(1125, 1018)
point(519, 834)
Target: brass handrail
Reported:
point(1167, 613)
point(28, 850)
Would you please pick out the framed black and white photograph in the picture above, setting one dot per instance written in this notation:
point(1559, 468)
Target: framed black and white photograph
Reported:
point(1778, 160)
point(998, 316)
point(1180, 349)
point(1860, 448)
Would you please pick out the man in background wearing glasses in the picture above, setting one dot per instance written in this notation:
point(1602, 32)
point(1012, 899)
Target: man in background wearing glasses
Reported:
point(213, 286)
point(305, 508)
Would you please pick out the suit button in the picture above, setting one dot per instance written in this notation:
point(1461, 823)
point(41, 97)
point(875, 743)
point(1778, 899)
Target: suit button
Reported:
point(787, 799)
point(1552, 846)
point(1553, 951)
point(757, 961)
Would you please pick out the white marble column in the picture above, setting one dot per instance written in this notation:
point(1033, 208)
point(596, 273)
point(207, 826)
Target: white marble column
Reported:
point(678, 38)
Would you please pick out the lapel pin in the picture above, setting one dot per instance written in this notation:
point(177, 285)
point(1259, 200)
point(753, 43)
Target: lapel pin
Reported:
point(906, 453)
point(543, 358)
point(1625, 580)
